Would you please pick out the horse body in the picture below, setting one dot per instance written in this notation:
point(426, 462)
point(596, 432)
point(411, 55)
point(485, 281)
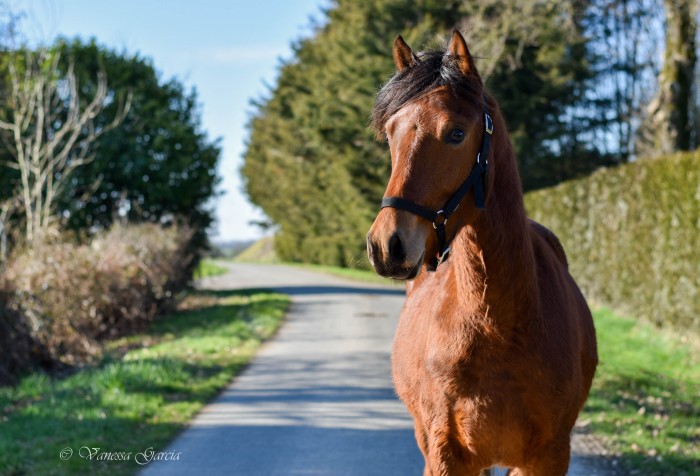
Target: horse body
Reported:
point(495, 350)
point(498, 374)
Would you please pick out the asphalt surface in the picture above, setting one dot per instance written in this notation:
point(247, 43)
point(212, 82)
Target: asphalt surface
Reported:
point(318, 398)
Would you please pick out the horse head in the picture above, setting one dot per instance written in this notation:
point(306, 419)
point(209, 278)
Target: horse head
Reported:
point(432, 114)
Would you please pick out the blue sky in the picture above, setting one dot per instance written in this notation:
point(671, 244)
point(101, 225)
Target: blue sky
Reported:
point(225, 49)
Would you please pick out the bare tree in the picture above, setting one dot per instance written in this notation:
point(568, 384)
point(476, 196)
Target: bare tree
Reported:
point(490, 33)
point(6, 207)
point(49, 132)
point(669, 125)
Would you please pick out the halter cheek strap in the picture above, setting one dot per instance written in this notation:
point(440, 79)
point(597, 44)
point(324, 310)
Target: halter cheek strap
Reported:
point(477, 179)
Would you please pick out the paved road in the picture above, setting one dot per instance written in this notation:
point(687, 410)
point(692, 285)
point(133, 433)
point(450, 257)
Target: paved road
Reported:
point(318, 398)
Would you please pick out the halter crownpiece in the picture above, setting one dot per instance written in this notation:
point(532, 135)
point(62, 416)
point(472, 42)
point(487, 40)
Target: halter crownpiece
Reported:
point(477, 179)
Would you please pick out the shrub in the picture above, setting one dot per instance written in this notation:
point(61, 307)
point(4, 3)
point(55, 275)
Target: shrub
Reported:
point(69, 297)
point(16, 344)
point(632, 235)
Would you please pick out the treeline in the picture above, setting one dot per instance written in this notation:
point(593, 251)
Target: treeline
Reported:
point(574, 80)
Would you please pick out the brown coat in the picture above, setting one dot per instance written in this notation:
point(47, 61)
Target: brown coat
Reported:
point(495, 351)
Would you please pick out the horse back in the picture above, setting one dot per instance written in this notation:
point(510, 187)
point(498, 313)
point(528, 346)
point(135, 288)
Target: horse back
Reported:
point(551, 239)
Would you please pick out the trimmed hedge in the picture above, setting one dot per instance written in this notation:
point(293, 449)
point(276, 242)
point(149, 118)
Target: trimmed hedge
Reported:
point(632, 236)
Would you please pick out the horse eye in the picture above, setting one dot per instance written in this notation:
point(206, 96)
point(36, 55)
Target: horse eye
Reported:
point(456, 136)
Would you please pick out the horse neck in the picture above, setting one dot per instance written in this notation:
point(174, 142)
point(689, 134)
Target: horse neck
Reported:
point(493, 259)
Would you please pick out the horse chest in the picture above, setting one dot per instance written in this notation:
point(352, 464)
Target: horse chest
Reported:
point(430, 356)
point(440, 373)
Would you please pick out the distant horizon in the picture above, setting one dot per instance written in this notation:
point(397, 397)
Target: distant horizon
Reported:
point(227, 51)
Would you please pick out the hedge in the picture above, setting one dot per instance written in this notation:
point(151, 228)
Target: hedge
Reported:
point(632, 236)
point(60, 301)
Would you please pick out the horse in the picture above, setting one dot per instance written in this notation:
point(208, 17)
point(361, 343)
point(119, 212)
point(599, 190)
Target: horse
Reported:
point(495, 349)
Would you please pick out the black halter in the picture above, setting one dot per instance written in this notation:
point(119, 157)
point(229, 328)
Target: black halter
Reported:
point(478, 179)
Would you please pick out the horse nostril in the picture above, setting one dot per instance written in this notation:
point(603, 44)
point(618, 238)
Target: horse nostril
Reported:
point(397, 252)
point(371, 249)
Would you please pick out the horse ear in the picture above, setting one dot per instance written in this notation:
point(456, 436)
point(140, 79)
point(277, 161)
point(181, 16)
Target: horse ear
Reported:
point(403, 56)
point(458, 49)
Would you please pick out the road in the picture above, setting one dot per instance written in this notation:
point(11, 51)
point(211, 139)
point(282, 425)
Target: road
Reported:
point(318, 398)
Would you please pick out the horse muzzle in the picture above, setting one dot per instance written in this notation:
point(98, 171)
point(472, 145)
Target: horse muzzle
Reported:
point(391, 257)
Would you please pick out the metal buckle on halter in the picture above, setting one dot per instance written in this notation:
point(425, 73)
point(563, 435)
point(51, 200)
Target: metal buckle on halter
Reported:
point(443, 256)
point(488, 124)
point(439, 213)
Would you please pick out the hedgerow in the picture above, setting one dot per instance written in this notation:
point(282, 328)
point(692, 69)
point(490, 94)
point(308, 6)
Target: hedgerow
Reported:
point(59, 301)
point(632, 236)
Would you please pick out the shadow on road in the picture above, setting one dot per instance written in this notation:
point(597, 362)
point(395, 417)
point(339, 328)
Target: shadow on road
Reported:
point(374, 452)
point(306, 290)
point(303, 291)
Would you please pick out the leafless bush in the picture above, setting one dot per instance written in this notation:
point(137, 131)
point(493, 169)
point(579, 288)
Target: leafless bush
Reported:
point(68, 297)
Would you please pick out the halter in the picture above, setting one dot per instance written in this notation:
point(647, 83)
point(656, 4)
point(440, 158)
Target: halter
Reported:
point(478, 179)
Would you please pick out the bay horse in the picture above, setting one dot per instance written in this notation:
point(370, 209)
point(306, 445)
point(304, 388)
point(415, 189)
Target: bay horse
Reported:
point(495, 350)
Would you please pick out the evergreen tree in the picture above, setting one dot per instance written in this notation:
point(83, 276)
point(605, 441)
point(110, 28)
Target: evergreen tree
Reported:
point(315, 168)
point(312, 163)
point(539, 66)
point(158, 165)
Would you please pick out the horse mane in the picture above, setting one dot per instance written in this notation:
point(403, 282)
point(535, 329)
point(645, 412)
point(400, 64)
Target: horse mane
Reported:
point(433, 69)
point(505, 217)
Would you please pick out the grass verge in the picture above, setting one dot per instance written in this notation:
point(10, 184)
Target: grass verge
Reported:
point(262, 251)
point(144, 391)
point(363, 275)
point(207, 268)
point(646, 396)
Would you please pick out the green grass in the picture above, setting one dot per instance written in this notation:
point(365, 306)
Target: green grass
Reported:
point(262, 251)
point(646, 396)
point(141, 394)
point(207, 268)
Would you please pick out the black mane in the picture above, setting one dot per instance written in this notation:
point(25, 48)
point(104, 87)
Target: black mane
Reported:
point(433, 70)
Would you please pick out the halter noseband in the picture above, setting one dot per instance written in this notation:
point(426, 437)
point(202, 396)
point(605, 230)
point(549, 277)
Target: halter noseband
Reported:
point(478, 179)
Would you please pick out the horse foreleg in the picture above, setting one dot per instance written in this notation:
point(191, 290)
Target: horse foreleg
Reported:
point(445, 459)
point(440, 457)
point(422, 440)
point(552, 461)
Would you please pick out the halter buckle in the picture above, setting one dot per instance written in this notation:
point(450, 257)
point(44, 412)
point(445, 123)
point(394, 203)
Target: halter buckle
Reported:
point(439, 213)
point(443, 256)
point(488, 124)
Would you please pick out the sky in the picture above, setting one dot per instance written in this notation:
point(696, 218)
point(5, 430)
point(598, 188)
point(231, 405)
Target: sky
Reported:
point(227, 49)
